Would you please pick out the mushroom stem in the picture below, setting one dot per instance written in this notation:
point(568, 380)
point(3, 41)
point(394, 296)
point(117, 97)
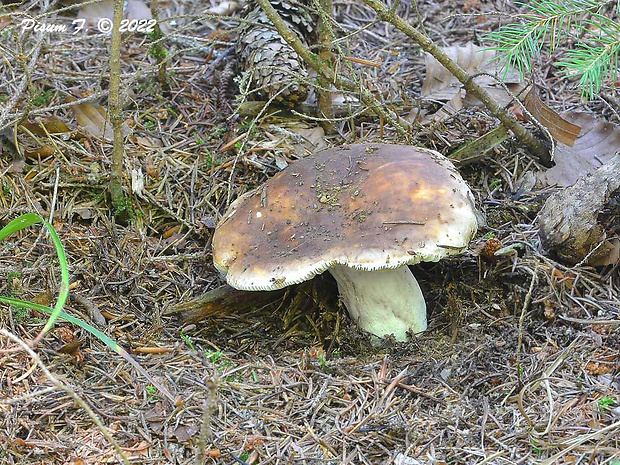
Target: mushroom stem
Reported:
point(383, 301)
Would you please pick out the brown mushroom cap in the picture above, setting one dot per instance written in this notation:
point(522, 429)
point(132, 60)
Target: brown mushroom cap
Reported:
point(367, 207)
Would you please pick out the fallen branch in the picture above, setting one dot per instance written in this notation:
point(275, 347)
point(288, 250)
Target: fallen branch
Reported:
point(224, 300)
point(470, 85)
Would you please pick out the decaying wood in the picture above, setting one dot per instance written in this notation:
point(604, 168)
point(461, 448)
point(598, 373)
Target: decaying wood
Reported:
point(569, 220)
point(224, 300)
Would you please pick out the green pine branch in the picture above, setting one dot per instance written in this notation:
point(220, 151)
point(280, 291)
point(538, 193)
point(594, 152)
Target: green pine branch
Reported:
point(548, 23)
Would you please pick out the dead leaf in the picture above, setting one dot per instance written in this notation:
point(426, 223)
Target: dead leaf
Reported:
point(70, 347)
point(45, 298)
point(611, 255)
point(597, 143)
point(224, 8)
point(139, 449)
point(94, 119)
point(84, 213)
point(41, 152)
point(17, 165)
point(294, 138)
point(33, 147)
point(51, 125)
point(441, 84)
point(184, 433)
point(147, 141)
point(449, 109)
point(315, 137)
point(560, 129)
point(155, 415)
point(567, 279)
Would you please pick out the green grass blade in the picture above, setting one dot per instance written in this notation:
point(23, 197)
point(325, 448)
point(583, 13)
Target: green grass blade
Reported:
point(19, 223)
point(95, 332)
point(24, 221)
point(65, 316)
point(64, 275)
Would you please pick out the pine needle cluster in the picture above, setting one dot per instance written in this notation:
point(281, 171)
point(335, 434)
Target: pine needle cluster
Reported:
point(589, 30)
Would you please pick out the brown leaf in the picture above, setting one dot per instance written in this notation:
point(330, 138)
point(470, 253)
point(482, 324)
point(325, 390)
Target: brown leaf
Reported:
point(441, 84)
point(51, 125)
point(147, 141)
point(184, 433)
point(224, 8)
point(314, 136)
point(70, 347)
point(611, 255)
point(450, 108)
point(44, 298)
point(560, 129)
point(43, 152)
point(94, 119)
point(18, 164)
point(597, 143)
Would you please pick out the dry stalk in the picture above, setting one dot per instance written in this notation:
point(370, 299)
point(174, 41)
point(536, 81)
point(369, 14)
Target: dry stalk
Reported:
point(25, 82)
point(470, 85)
point(116, 110)
point(325, 9)
point(526, 304)
point(205, 426)
point(158, 50)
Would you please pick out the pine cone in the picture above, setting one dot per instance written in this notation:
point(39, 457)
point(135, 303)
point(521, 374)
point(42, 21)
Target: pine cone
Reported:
point(274, 66)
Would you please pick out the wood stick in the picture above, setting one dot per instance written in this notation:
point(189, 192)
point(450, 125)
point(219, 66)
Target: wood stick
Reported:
point(224, 300)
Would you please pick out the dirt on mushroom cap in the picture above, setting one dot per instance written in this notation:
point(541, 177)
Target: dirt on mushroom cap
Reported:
point(368, 207)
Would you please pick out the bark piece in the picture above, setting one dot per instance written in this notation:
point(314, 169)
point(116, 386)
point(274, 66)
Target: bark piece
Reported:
point(224, 300)
point(569, 220)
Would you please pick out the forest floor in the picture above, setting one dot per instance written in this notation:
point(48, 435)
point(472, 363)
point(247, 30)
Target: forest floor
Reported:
point(510, 370)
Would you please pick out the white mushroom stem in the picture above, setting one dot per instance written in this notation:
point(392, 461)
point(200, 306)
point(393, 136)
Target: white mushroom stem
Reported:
point(382, 302)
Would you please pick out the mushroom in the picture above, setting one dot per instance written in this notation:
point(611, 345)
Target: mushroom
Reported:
point(363, 212)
